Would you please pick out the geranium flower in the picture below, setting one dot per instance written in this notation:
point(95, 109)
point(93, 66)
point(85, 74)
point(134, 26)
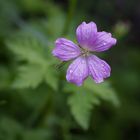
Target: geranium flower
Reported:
point(85, 63)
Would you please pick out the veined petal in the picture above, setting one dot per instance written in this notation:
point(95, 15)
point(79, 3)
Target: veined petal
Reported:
point(77, 71)
point(86, 34)
point(103, 41)
point(65, 49)
point(98, 69)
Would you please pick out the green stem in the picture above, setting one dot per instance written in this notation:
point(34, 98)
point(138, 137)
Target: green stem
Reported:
point(71, 10)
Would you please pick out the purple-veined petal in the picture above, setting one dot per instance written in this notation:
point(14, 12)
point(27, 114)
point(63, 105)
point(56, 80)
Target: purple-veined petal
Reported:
point(65, 49)
point(77, 71)
point(103, 41)
point(98, 69)
point(86, 34)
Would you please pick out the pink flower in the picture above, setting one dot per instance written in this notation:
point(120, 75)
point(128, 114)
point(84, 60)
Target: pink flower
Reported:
point(85, 63)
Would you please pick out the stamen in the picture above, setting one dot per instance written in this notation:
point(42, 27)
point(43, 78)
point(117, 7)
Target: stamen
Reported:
point(85, 52)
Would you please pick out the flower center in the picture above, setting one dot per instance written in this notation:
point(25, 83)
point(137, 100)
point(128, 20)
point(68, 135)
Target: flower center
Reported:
point(85, 52)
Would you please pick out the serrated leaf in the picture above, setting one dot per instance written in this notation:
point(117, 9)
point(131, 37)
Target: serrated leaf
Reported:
point(81, 105)
point(33, 49)
point(28, 47)
point(84, 98)
point(103, 90)
point(30, 75)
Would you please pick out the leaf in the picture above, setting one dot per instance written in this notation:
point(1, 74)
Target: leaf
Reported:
point(32, 48)
point(81, 105)
point(103, 90)
point(28, 47)
point(30, 75)
point(86, 97)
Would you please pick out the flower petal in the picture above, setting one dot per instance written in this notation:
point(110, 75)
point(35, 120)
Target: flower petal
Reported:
point(103, 41)
point(98, 69)
point(86, 34)
point(65, 49)
point(77, 71)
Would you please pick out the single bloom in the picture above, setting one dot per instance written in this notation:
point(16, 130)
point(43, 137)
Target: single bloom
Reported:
point(84, 62)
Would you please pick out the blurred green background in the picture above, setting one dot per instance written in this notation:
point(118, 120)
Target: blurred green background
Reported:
point(37, 103)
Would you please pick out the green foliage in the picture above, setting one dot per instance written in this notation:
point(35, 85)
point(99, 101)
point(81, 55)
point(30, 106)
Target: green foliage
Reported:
point(31, 6)
point(36, 135)
point(9, 133)
point(35, 68)
point(8, 14)
point(6, 77)
point(16, 131)
point(85, 98)
point(104, 91)
point(55, 22)
point(81, 105)
point(37, 65)
point(32, 51)
point(36, 101)
point(29, 75)
point(28, 47)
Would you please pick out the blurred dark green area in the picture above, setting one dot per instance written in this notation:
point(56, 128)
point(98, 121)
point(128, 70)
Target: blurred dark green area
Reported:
point(36, 102)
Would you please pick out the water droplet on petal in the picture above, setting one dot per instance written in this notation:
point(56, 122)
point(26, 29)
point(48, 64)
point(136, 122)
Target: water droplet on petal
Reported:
point(71, 71)
point(102, 65)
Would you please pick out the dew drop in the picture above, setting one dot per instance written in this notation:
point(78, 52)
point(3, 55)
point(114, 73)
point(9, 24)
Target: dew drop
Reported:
point(102, 65)
point(71, 71)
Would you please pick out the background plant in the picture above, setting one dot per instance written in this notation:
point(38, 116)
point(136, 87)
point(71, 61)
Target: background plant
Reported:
point(36, 102)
